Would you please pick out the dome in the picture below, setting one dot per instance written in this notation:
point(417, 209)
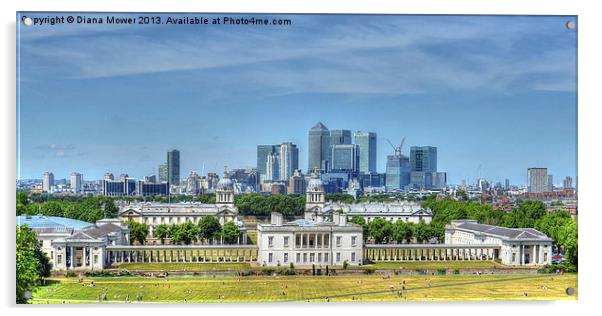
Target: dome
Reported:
point(225, 183)
point(315, 184)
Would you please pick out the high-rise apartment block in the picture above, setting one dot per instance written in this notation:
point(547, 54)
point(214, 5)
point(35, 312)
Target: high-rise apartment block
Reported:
point(366, 141)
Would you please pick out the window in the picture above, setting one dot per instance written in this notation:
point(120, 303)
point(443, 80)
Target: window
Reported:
point(338, 257)
point(59, 259)
point(319, 241)
point(513, 257)
point(95, 259)
point(545, 256)
point(286, 241)
point(312, 257)
point(285, 257)
point(52, 254)
point(304, 257)
point(353, 241)
point(353, 256)
point(271, 241)
point(298, 257)
point(298, 241)
point(338, 241)
point(270, 257)
point(326, 257)
point(319, 257)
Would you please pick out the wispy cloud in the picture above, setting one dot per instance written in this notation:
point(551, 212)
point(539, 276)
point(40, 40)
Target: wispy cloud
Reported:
point(394, 55)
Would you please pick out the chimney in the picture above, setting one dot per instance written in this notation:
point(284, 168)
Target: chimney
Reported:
point(276, 219)
point(342, 219)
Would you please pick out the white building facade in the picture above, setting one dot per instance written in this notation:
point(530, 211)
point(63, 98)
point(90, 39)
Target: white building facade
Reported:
point(317, 209)
point(518, 246)
point(306, 243)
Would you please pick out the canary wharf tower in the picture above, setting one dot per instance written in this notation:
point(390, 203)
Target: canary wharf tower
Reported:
point(319, 142)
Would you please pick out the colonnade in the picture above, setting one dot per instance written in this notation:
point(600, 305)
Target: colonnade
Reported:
point(429, 252)
point(153, 254)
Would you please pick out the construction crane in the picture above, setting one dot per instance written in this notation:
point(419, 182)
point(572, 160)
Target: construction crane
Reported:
point(398, 150)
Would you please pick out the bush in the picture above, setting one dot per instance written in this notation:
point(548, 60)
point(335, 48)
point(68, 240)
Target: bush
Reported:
point(70, 274)
point(441, 271)
point(552, 268)
point(268, 271)
point(456, 271)
point(345, 265)
point(369, 270)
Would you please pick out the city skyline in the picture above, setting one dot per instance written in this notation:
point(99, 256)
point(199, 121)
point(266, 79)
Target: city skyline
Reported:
point(491, 107)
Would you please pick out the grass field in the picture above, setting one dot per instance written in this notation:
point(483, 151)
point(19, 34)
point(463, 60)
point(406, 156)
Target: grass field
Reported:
point(188, 266)
point(316, 289)
point(433, 265)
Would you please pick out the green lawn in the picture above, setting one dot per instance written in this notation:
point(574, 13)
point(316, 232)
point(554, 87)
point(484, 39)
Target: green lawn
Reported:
point(304, 288)
point(433, 265)
point(180, 266)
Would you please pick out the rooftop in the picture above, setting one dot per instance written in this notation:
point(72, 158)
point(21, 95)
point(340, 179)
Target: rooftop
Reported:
point(509, 233)
point(52, 222)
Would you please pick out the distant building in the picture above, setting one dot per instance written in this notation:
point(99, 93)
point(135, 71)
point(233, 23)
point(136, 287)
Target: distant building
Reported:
point(537, 180)
point(125, 186)
point(550, 183)
point(366, 141)
point(567, 183)
point(423, 158)
point(345, 158)
point(173, 167)
point(272, 168)
point(262, 157)
point(163, 172)
point(507, 184)
point(372, 180)
point(109, 176)
point(278, 188)
point(48, 182)
point(297, 183)
point(76, 182)
point(340, 137)
point(150, 189)
point(149, 179)
point(289, 160)
point(397, 172)
point(319, 145)
point(193, 183)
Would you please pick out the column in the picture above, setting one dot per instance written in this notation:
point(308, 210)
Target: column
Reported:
point(71, 257)
point(522, 255)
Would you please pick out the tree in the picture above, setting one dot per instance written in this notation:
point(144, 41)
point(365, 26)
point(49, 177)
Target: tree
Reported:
point(379, 229)
point(110, 209)
point(401, 231)
point(138, 232)
point(422, 231)
point(209, 227)
point(28, 265)
point(162, 232)
point(188, 232)
point(230, 233)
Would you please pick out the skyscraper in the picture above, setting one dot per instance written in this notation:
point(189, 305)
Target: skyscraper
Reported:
point(163, 172)
point(340, 137)
point(76, 182)
point(345, 158)
point(423, 158)
point(367, 147)
point(423, 162)
point(272, 169)
point(173, 167)
point(567, 183)
point(537, 180)
point(289, 160)
point(550, 183)
point(262, 157)
point(319, 144)
point(507, 184)
point(48, 182)
point(398, 171)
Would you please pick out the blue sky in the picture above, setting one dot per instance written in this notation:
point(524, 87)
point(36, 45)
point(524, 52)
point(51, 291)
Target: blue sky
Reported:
point(492, 91)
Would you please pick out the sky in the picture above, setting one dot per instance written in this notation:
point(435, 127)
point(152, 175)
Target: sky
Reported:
point(495, 94)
